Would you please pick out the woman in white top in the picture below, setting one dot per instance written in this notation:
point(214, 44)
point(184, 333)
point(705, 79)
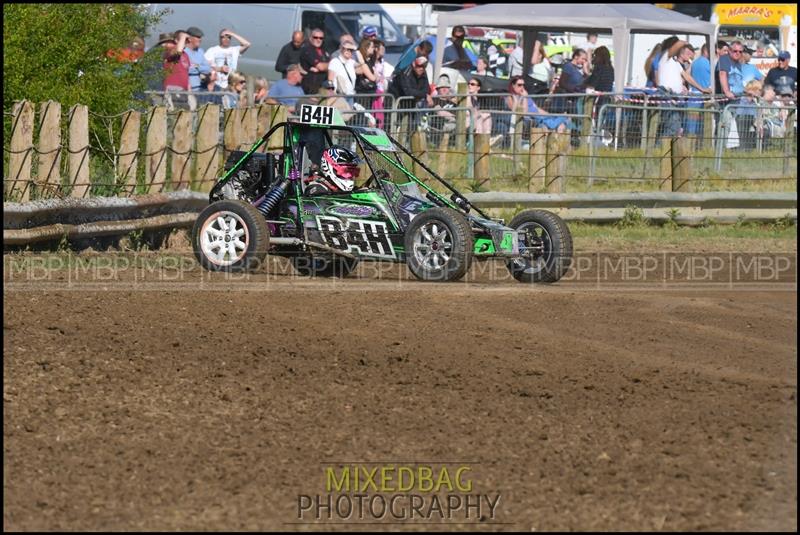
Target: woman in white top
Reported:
point(342, 70)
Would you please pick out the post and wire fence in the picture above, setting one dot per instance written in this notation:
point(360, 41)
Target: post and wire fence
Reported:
point(632, 141)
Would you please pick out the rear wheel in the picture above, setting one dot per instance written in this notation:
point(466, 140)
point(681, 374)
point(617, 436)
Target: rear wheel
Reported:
point(230, 235)
point(439, 245)
point(545, 246)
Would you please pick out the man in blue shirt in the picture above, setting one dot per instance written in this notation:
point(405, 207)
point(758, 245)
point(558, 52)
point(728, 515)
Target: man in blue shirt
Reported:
point(199, 64)
point(701, 70)
point(730, 71)
point(286, 92)
point(749, 71)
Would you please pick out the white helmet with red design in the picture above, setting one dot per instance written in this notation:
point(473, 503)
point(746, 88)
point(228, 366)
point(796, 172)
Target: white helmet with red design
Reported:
point(339, 166)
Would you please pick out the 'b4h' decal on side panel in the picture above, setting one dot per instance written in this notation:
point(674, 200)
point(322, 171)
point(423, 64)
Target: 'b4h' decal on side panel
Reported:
point(368, 238)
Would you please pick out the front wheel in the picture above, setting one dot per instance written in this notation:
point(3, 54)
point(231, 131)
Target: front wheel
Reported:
point(230, 235)
point(545, 246)
point(439, 245)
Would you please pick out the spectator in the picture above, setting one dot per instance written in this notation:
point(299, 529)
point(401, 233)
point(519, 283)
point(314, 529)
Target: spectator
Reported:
point(290, 53)
point(664, 53)
point(542, 71)
point(572, 80)
point(749, 71)
point(771, 123)
point(651, 65)
point(287, 91)
point(342, 70)
point(224, 58)
point(518, 101)
point(783, 75)
point(199, 63)
point(454, 55)
point(328, 97)
point(130, 54)
point(314, 60)
point(443, 120)
point(262, 88)
point(722, 50)
point(345, 38)
point(746, 115)
point(366, 81)
point(673, 78)
point(496, 60)
point(176, 61)
point(236, 95)
point(369, 32)
point(730, 72)
point(590, 45)
point(415, 84)
point(481, 120)
point(701, 72)
point(602, 77)
point(483, 67)
point(210, 86)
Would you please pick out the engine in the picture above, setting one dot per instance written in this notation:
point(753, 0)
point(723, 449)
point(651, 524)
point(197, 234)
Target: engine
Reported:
point(253, 179)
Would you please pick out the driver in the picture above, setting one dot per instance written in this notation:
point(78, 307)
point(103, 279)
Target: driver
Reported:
point(338, 169)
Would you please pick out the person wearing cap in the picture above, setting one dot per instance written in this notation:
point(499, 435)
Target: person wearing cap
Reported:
point(415, 84)
point(290, 53)
point(369, 32)
point(199, 64)
point(176, 61)
point(783, 76)
point(224, 58)
point(749, 71)
point(287, 91)
point(314, 59)
point(443, 120)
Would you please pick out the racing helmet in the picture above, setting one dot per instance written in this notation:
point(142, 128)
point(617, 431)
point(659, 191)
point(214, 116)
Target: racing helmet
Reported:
point(339, 166)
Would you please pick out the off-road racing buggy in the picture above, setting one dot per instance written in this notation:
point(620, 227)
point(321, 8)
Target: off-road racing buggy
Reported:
point(263, 205)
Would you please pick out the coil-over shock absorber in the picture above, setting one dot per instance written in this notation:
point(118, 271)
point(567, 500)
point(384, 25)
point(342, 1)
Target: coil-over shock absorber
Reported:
point(274, 196)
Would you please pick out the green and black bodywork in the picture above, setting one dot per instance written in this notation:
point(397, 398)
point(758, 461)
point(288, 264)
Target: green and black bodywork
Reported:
point(395, 215)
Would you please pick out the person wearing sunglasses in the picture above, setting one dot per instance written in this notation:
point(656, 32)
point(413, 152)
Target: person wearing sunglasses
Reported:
point(314, 59)
point(518, 101)
point(224, 58)
point(481, 119)
point(783, 75)
point(731, 76)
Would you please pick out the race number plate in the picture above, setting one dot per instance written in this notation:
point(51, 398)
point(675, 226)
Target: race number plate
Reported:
point(316, 114)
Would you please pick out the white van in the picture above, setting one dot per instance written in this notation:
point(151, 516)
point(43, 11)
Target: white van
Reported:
point(269, 26)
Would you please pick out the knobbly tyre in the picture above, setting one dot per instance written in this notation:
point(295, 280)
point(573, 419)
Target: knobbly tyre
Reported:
point(297, 199)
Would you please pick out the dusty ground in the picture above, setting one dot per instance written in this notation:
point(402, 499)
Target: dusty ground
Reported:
point(208, 403)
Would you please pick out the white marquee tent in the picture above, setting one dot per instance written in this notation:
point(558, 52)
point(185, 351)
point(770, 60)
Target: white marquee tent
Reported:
point(618, 19)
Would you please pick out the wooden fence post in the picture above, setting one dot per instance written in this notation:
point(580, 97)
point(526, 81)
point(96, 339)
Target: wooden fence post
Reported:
point(249, 119)
point(79, 150)
point(557, 146)
point(652, 131)
point(21, 150)
point(681, 164)
point(419, 146)
point(482, 151)
point(461, 118)
point(232, 131)
point(264, 118)
point(129, 148)
point(586, 123)
point(665, 168)
point(181, 150)
point(49, 175)
point(156, 147)
point(207, 141)
point(707, 143)
point(444, 144)
point(537, 160)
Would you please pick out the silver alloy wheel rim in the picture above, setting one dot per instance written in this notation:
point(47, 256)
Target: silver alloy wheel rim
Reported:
point(433, 245)
point(539, 262)
point(221, 238)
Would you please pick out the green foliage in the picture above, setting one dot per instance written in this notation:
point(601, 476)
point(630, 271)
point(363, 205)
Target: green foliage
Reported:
point(60, 52)
point(632, 217)
point(672, 222)
point(784, 222)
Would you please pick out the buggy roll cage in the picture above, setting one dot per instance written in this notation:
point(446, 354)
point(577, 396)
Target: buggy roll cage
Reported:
point(456, 201)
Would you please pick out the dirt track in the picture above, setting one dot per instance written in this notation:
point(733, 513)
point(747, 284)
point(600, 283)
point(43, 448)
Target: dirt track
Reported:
point(586, 408)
